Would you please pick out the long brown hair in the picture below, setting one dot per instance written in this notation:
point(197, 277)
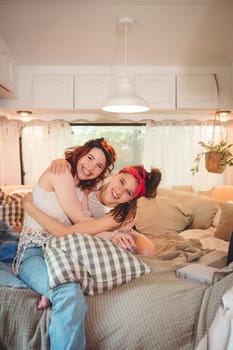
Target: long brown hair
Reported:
point(74, 154)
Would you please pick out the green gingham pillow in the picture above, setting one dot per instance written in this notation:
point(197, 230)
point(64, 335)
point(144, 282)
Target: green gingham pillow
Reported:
point(11, 208)
point(97, 264)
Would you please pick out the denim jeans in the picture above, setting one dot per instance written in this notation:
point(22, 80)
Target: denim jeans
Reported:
point(66, 330)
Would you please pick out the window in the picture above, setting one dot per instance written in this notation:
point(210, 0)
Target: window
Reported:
point(42, 144)
point(168, 145)
point(127, 140)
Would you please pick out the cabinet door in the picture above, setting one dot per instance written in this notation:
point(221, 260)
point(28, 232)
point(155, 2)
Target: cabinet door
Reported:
point(157, 89)
point(52, 91)
point(91, 90)
point(7, 69)
point(197, 91)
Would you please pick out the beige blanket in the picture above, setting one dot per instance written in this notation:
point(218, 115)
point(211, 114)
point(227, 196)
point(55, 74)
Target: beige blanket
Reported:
point(172, 246)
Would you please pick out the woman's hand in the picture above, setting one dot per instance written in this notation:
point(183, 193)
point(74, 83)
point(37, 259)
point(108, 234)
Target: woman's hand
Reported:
point(127, 226)
point(59, 166)
point(27, 201)
point(123, 240)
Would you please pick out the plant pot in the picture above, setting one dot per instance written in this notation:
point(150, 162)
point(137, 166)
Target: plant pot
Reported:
point(212, 162)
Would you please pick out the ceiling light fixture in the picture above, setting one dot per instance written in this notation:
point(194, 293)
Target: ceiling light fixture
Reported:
point(24, 113)
point(223, 113)
point(126, 100)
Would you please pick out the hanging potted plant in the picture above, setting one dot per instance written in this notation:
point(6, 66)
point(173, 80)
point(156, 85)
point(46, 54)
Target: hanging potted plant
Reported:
point(217, 157)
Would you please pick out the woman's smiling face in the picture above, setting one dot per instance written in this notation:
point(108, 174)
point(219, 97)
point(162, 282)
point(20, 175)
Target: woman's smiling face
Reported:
point(120, 189)
point(91, 165)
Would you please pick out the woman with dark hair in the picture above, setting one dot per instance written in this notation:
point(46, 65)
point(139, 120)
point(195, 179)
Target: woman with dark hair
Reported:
point(115, 206)
point(117, 196)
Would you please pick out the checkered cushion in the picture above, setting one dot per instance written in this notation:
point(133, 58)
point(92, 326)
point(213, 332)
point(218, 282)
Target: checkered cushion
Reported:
point(11, 208)
point(2, 195)
point(95, 263)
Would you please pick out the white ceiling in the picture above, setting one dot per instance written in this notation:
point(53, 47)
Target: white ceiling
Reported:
point(85, 32)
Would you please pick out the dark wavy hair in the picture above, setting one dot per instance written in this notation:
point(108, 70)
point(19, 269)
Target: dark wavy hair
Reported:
point(74, 154)
point(127, 211)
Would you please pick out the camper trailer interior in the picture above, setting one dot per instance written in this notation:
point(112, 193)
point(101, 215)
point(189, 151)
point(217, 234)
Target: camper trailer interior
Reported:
point(155, 79)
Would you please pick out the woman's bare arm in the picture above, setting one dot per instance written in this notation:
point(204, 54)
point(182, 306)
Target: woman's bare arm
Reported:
point(144, 246)
point(121, 239)
point(59, 166)
point(94, 226)
point(64, 187)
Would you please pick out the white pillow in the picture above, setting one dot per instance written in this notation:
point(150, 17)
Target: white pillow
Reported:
point(97, 264)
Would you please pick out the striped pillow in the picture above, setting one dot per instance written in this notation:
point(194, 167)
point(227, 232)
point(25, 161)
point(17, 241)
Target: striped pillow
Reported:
point(97, 264)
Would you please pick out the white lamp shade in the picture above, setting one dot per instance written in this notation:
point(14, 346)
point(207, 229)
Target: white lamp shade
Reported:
point(126, 100)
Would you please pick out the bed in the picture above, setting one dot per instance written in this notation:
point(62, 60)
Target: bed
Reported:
point(158, 310)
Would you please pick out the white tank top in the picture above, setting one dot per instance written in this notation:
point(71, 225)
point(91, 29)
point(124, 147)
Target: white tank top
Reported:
point(33, 232)
point(96, 208)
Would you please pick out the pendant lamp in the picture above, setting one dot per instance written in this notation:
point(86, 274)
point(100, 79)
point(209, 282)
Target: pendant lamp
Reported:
point(125, 100)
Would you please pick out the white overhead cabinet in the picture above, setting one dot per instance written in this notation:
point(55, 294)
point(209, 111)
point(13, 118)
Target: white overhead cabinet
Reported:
point(91, 90)
point(7, 72)
point(197, 91)
point(53, 91)
point(87, 90)
point(159, 90)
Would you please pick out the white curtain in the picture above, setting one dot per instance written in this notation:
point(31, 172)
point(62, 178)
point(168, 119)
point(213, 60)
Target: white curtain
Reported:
point(43, 142)
point(172, 147)
point(169, 145)
point(9, 152)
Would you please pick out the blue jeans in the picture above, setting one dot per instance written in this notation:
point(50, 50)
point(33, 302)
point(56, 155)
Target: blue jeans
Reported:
point(66, 330)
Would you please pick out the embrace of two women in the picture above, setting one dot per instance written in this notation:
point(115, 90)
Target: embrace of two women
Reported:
point(80, 199)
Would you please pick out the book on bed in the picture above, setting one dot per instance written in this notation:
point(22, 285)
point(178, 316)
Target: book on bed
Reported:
point(197, 273)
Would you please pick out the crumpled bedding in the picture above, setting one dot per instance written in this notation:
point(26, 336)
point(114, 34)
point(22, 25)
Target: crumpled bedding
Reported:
point(222, 324)
point(8, 247)
point(155, 312)
point(172, 246)
point(8, 243)
point(207, 238)
point(23, 326)
point(217, 319)
point(7, 278)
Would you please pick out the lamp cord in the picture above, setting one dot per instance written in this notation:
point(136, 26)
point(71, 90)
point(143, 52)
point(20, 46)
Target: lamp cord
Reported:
point(217, 118)
point(126, 45)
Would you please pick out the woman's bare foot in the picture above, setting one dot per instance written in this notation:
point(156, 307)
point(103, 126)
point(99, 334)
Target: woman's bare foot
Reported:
point(43, 303)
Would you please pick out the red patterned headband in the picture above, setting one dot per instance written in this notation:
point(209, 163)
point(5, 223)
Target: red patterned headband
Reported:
point(141, 188)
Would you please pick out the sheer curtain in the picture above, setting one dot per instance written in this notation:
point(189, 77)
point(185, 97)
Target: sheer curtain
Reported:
point(172, 147)
point(168, 145)
point(43, 142)
point(9, 152)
